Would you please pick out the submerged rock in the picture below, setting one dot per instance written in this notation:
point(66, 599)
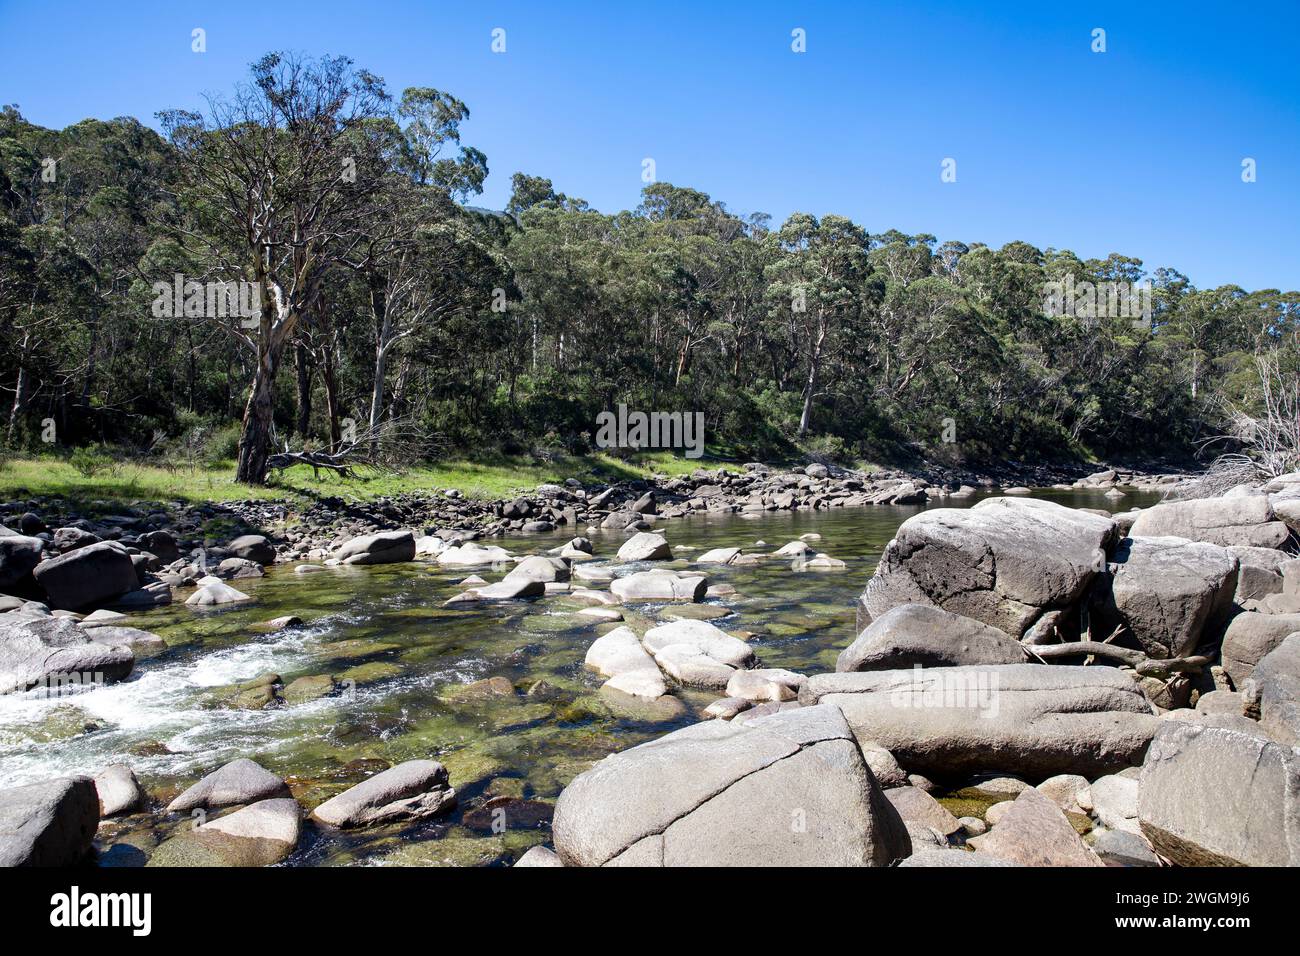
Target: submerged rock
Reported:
point(261, 834)
point(658, 586)
point(787, 790)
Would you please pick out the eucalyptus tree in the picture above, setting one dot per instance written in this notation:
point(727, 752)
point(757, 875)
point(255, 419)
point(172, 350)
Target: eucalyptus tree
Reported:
point(275, 182)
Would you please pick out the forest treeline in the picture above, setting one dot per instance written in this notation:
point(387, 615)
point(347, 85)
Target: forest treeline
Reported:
point(381, 296)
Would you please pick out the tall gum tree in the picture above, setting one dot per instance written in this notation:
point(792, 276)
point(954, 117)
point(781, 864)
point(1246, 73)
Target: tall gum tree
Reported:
point(276, 178)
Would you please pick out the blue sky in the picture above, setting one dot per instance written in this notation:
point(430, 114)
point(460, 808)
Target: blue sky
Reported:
point(1136, 150)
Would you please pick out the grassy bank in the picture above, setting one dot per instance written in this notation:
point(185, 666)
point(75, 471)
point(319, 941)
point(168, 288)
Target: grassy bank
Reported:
point(492, 478)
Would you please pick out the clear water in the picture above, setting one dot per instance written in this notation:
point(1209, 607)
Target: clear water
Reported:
point(404, 660)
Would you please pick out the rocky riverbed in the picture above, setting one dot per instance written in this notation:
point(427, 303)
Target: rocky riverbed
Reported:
point(601, 682)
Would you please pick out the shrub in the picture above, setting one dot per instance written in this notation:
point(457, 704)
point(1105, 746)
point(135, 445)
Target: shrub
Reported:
point(90, 461)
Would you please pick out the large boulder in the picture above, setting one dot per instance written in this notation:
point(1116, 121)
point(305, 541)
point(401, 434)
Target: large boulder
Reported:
point(540, 568)
point(252, 547)
point(90, 575)
point(791, 789)
point(1003, 562)
point(52, 650)
point(1169, 594)
point(1250, 636)
point(920, 634)
point(645, 546)
point(697, 653)
point(1272, 691)
point(240, 781)
point(1029, 720)
point(1211, 796)
point(1239, 520)
point(1035, 832)
point(19, 554)
point(48, 824)
point(386, 547)
point(410, 791)
point(659, 586)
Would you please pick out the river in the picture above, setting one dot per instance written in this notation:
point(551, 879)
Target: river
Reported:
point(403, 660)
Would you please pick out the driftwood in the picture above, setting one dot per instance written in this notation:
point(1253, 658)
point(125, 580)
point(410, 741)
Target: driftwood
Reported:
point(337, 462)
point(1144, 665)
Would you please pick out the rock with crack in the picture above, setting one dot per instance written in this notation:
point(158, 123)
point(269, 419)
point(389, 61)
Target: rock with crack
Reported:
point(920, 634)
point(1035, 832)
point(54, 651)
point(1249, 638)
point(619, 656)
point(48, 824)
point(1023, 719)
point(410, 791)
point(787, 790)
point(240, 781)
point(718, 556)
point(1246, 520)
point(1210, 796)
point(661, 585)
point(1004, 562)
point(645, 546)
point(698, 654)
point(1169, 594)
point(386, 547)
point(1272, 692)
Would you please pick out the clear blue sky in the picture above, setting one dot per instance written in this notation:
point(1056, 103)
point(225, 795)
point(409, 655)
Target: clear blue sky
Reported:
point(1137, 150)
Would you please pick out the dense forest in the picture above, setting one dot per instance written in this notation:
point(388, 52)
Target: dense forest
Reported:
point(387, 304)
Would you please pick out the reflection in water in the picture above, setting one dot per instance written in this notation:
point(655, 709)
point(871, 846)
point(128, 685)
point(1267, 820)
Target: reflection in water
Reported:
point(403, 663)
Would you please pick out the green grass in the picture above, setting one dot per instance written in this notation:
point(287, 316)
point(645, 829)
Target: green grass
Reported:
point(490, 478)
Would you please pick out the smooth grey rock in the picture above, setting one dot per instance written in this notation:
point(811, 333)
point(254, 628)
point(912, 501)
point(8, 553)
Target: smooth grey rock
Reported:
point(1114, 800)
point(540, 568)
point(386, 547)
point(240, 781)
point(1035, 832)
point(539, 856)
point(920, 634)
point(213, 591)
point(117, 790)
point(1003, 562)
point(619, 656)
point(1244, 520)
point(1209, 796)
point(19, 554)
point(252, 547)
point(916, 806)
point(1249, 637)
point(658, 586)
point(1025, 719)
point(1168, 593)
point(645, 546)
point(697, 653)
point(786, 790)
point(55, 650)
point(1273, 691)
point(1123, 848)
point(409, 791)
point(48, 824)
point(92, 575)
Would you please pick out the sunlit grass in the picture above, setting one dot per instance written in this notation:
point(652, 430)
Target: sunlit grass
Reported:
point(490, 478)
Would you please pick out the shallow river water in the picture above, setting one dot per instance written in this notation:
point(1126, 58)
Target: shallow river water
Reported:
point(403, 661)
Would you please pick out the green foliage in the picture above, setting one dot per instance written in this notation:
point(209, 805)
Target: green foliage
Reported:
point(90, 461)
